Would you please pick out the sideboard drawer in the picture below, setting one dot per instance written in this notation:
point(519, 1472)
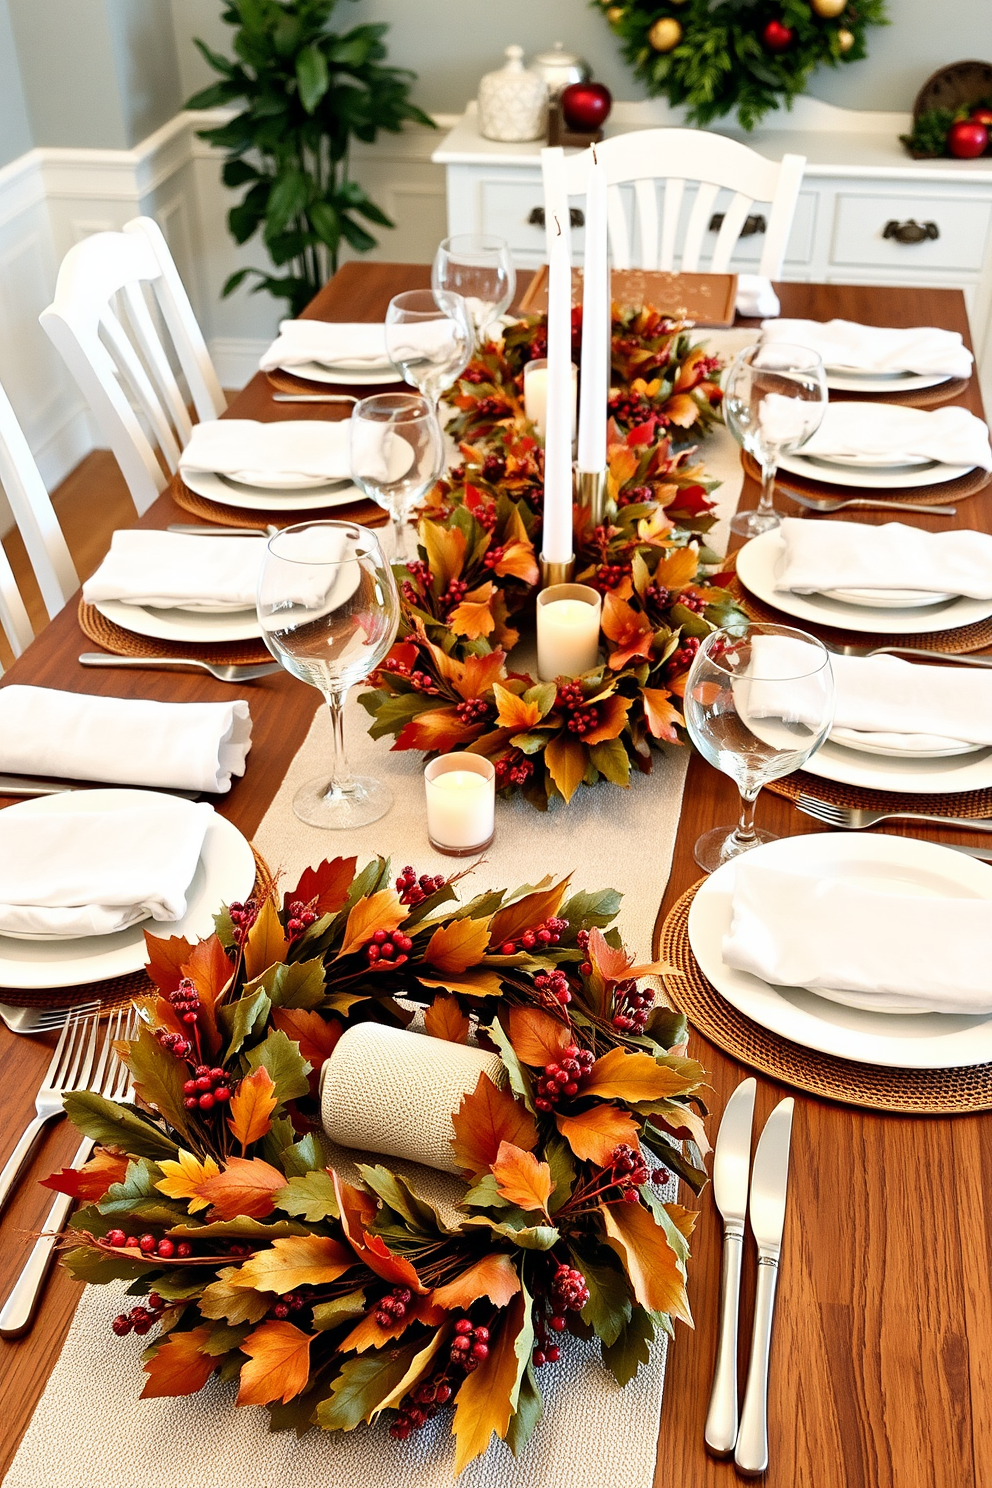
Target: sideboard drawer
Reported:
point(958, 229)
point(506, 207)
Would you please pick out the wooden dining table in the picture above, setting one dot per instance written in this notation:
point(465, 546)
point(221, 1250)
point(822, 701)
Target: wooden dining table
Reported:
point(881, 1373)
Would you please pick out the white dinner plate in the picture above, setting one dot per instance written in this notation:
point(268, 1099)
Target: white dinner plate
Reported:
point(896, 1040)
point(225, 872)
point(939, 775)
point(756, 562)
point(258, 480)
point(318, 372)
point(866, 461)
point(850, 380)
point(209, 627)
point(866, 744)
point(215, 488)
point(888, 599)
point(874, 477)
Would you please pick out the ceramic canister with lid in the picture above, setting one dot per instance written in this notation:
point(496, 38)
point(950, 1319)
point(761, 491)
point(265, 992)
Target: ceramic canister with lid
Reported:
point(513, 102)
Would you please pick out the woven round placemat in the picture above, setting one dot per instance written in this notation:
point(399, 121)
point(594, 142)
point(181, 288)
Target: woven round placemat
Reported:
point(966, 638)
point(910, 1092)
point(366, 513)
point(118, 989)
point(937, 492)
point(975, 804)
point(929, 397)
point(125, 643)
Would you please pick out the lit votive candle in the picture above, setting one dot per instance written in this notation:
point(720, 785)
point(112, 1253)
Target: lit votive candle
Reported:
point(536, 395)
point(567, 630)
point(461, 803)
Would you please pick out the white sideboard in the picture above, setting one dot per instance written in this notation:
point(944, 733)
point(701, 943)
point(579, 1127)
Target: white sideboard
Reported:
point(858, 180)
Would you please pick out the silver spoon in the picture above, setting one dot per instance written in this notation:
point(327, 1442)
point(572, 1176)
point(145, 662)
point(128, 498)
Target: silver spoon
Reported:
point(223, 673)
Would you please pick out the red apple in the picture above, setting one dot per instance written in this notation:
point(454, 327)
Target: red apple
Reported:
point(777, 38)
point(586, 106)
point(967, 139)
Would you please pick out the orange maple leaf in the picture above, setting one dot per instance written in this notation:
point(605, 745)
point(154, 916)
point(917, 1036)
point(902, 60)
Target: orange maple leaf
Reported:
point(370, 1334)
point(252, 1105)
point(630, 630)
point(91, 1181)
point(296, 1261)
point(266, 942)
point(166, 957)
point(485, 1118)
point(444, 1019)
point(651, 1264)
point(518, 562)
point(615, 965)
point(279, 1364)
point(437, 730)
point(682, 410)
point(458, 945)
point(487, 1399)
point(660, 715)
point(612, 719)
point(474, 616)
point(521, 1179)
point(495, 1277)
point(536, 1036)
point(529, 912)
point(678, 568)
point(244, 1186)
point(513, 712)
point(381, 911)
point(179, 1367)
point(326, 886)
point(593, 1134)
point(635, 1077)
point(357, 1213)
point(315, 1034)
point(688, 373)
point(567, 760)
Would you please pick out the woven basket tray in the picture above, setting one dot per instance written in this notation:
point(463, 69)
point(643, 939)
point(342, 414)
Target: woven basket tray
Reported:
point(125, 643)
point(939, 493)
point(975, 804)
point(875, 1087)
point(366, 513)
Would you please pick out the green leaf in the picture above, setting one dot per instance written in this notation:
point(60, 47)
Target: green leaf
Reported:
point(356, 236)
point(484, 1195)
point(285, 1064)
point(363, 1383)
point(422, 1217)
point(311, 1197)
point(237, 172)
point(586, 909)
point(242, 1018)
point(310, 1154)
point(517, 1075)
point(158, 1077)
point(558, 1156)
point(528, 1237)
point(611, 760)
point(296, 1414)
point(232, 281)
point(326, 223)
point(242, 1228)
point(277, 1139)
point(87, 1264)
point(223, 1338)
point(216, 61)
point(311, 76)
point(138, 1195)
point(177, 1286)
point(530, 1409)
point(117, 1126)
point(609, 1308)
point(286, 200)
point(667, 1027)
point(624, 1357)
point(293, 984)
point(327, 1315)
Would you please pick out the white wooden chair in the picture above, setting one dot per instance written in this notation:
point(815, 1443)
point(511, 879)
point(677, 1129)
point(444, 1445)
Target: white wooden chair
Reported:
point(672, 157)
point(101, 321)
point(39, 528)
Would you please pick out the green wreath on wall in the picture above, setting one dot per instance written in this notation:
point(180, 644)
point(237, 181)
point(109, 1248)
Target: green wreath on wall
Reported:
point(738, 56)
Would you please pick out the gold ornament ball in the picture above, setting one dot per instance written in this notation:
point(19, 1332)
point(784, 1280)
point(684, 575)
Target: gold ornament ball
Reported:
point(614, 14)
point(828, 8)
point(845, 39)
point(665, 34)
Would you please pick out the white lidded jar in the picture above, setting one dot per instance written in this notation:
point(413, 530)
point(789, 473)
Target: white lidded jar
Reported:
point(559, 69)
point(513, 102)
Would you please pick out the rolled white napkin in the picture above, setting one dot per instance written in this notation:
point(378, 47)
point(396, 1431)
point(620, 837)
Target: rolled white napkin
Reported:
point(344, 345)
point(390, 1091)
point(755, 296)
point(888, 700)
point(815, 558)
point(78, 873)
point(168, 570)
point(903, 952)
point(864, 348)
point(182, 746)
point(313, 449)
point(890, 432)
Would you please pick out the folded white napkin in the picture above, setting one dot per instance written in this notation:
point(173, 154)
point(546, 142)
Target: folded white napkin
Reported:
point(755, 296)
point(903, 952)
point(863, 348)
point(890, 431)
point(185, 746)
point(887, 700)
point(313, 449)
point(168, 570)
point(355, 346)
point(788, 680)
point(815, 558)
point(72, 873)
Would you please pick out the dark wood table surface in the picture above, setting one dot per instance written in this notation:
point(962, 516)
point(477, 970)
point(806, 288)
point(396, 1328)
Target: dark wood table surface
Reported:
point(882, 1354)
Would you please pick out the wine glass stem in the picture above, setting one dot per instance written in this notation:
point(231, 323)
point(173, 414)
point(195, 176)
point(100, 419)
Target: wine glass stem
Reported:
point(341, 783)
point(399, 534)
point(766, 502)
point(744, 833)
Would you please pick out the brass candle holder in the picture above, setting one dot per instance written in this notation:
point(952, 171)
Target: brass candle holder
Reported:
point(592, 490)
point(554, 571)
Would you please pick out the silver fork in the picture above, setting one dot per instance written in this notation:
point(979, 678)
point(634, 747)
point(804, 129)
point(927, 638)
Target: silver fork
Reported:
point(223, 673)
point(113, 1080)
point(914, 651)
point(868, 503)
point(42, 1020)
point(856, 818)
point(70, 1069)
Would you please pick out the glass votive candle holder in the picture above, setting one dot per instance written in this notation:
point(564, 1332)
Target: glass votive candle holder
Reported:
point(536, 395)
point(568, 618)
point(461, 803)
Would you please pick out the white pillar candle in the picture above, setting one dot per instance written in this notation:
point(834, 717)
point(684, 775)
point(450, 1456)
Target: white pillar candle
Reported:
point(558, 434)
point(536, 395)
point(461, 803)
point(567, 631)
point(595, 326)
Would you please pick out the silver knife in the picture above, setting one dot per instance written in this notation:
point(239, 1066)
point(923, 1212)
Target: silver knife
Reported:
point(37, 785)
point(190, 529)
point(769, 1182)
point(731, 1162)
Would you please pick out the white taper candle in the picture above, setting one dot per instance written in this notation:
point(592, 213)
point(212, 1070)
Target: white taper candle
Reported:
point(595, 326)
point(557, 546)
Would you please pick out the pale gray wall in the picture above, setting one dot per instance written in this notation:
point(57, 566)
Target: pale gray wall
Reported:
point(15, 127)
point(68, 72)
point(450, 43)
point(144, 45)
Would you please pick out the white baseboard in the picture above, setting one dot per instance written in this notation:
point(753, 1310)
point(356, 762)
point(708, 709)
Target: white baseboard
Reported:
point(236, 359)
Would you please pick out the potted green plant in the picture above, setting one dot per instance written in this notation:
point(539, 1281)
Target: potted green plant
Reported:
point(305, 93)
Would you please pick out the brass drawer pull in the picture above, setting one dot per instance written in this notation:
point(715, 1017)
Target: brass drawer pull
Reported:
point(575, 216)
point(911, 231)
point(754, 224)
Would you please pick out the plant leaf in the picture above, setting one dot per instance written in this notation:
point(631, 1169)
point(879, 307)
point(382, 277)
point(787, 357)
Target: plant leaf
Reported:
point(528, 912)
point(252, 1105)
point(91, 1181)
point(116, 1126)
point(487, 1399)
point(476, 983)
point(299, 1260)
point(266, 943)
point(513, 712)
point(311, 1196)
point(609, 1307)
point(360, 1385)
point(285, 1064)
point(279, 1366)
point(224, 1298)
point(369, 1333)
point(537, 1038)
point(494, 1276)
point(328, 1315)
point(444, 1019)
point(630, 1349)
point(315, 1034)
point(521, 1179)
point(655, 1271)
point(635, 1077)
point(417, 1369)
point(244, 1187)
point(357, 1212)
point(324, 887)
point(566, 760)
point(593, 1134)
point(458, 945)
point(158, 1077)
point(184, 1178)
point(179, 1367)
point(381, 911)
point(165, 960)
point(485, 1118)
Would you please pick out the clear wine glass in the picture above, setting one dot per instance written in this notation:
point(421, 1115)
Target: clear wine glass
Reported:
point(329, 611)
point(479, 267)
point(429, 343)
point(757, 704)
point(775, 396)
point(397, 454)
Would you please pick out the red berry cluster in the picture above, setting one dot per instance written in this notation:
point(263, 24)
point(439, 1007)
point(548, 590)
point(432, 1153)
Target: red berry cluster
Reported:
point(549, 932)
point(139, 1320)
point(682, 659)
point(388, 951)
point(208, 1088)
point(569, 1292)
point(472, 710)
point(174, 1043)
point(486, 515)
point(413, 890)
point(630, 1171)
point(635, 496)
point(291, 1302)
point(419, 572)
point(553, 987)
point(185, 1001)
point(412, 597)
point(609, 576)
point(632, 409)
point(476, 375)
point(570, 695)
point(424, 1402)
point(469, 1346)
point(392, 1308)
point(300, 917)
point(694, 602)
point(631, 1007)
point(491, 408)
point(424, 682)
point(513, 768)
point(494, 557)
point(583, 722)
point(243, 916)
point(452, 596)
point(564, 1078)
point(656, 594)
point(493, 469)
